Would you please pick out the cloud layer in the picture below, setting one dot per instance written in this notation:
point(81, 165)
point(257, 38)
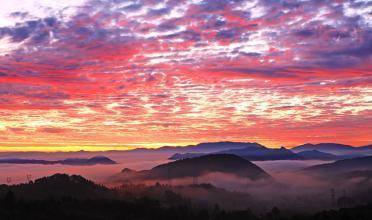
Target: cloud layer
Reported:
point(113, 73)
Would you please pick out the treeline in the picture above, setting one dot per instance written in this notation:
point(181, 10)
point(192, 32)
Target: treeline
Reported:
point(14, 208)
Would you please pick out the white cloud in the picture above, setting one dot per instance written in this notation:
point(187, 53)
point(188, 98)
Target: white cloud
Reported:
point(35, 8)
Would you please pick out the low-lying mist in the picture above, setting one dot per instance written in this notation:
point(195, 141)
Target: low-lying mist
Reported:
point(288, 189)
point(98, 173)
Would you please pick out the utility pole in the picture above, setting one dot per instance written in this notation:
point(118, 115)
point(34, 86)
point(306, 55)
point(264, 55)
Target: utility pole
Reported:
point(333, 197)
point(195, 180)
point(169, 177)
point(29, 178)
point(9, 180)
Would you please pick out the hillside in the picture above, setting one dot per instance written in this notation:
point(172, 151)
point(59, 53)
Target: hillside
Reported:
point(208, 147)
point(69, 161)
point(180, 156)
point(324, 147)
point(58, 185)
point(220, 146)
point(260, 154)
point(343, 166)
point(317, 155)
point(222, 163)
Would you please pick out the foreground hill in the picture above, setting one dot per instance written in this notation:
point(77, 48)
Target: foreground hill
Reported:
point(15, 208)
point(192, 167)
point(58, 185)
point(343, 166)
point(70, 161)
point(72, 197)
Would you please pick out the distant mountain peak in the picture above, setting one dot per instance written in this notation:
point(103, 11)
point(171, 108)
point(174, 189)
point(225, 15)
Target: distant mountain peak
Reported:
point(333, 148)
point(260, 154)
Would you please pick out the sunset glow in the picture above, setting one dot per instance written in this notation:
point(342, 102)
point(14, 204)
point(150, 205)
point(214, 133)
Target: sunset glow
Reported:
point(114, 75)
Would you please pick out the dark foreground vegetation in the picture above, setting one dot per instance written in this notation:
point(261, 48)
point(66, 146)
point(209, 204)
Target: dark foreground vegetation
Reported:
point(101, 209)
point(73, 197)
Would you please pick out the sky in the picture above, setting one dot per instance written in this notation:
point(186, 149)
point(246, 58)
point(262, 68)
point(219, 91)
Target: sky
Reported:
point(118, 74)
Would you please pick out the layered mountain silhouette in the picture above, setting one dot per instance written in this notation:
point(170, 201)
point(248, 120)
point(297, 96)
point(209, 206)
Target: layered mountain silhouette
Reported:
point(222, 146)
point(323, 147)
point(258, 152)
point(249, 151)
point(209, 147)
point(342, 166)
point(70, 161)
point(336, 149)
point(180, 156)
point(263, 153)
point(193, 167)
point(317, 155)
point(59, 185)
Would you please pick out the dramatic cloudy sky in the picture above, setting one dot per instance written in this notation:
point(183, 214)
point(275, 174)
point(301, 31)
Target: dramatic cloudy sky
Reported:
point(110, 74)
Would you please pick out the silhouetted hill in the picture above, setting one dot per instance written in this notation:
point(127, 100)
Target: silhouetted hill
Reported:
point(14, 208)
point(252, 153)
point(366, 147)
point(70, 161)
point(367, 174)
point(343, 166)
point(59, 185)
point(26, 161)
point(262, 153)
point(317, 155)
point(91, 161)
point(180, 156)
point(210, 147)
point(222, 163)
point(220, 146)
point(324, 147)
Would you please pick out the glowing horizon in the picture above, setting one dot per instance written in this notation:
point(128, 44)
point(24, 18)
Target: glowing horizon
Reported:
point(105, 74)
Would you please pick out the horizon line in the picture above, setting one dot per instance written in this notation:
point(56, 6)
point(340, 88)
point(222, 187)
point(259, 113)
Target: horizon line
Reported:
point(126, 148)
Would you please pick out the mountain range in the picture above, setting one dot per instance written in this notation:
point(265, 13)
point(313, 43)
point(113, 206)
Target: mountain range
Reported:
point(208, 147)
point(213, 147)
point(69, 161)
point(258, 152)
point(333, 148)
point(248, 150)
